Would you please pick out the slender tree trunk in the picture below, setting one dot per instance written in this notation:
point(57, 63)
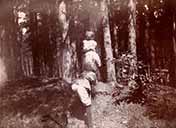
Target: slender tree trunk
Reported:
point(151, 35)
point(115, 43)
point(116, 49)
point(173, 54)
point(3, 74)
point(66, 50)
point(146, 44)
point(111, 74)
point(35, 50)
point(152, 53)
point(17, 48)
point(132, 35)
point(12, 45)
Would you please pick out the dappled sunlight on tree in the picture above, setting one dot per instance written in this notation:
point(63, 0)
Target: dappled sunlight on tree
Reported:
point(3, 74)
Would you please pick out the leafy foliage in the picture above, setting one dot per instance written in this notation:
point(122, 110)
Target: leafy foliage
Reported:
point(136, 88)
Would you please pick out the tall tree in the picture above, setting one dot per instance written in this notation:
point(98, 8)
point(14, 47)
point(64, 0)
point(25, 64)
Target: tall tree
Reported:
point(16, 46)
point(132, 35)
point(3, 74)
point(10, 43)
point(111, 74)
point(66, 48)
point(173, 54)
point(35, 43)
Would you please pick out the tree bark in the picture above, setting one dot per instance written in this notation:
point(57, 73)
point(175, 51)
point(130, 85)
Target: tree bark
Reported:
point(132, 35)
point(147, 45)
point(67, 50)
point(173, 54)
point(111, 74)
point(16, 47)
point(35, 50)
point(3, 74)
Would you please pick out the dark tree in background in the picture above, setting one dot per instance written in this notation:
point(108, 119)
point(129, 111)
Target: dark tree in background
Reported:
point(48, 41)
point(171, 7)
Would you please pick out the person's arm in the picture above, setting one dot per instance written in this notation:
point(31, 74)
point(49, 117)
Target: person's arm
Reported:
point(84, 45)
point(98, 60)
point(98, 66)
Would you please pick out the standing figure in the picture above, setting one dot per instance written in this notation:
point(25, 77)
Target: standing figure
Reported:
point(91, 60)
point(91, 63)
point(84, 85)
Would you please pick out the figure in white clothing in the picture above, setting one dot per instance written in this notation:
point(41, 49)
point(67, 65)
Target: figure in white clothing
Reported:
point(84, 85)
point(91, 60)
point(89, 43)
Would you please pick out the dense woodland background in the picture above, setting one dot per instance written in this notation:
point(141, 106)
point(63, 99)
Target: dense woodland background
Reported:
point(41, 41)
point(44, 38)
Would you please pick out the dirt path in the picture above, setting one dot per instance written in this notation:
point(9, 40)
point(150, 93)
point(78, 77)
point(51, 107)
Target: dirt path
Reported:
point(31, 104)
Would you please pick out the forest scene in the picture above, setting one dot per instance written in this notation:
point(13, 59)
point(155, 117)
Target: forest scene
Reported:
point(42, 55)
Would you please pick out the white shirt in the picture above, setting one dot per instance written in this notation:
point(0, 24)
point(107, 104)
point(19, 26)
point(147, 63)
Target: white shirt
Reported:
point(91, 61)
point(89, 44)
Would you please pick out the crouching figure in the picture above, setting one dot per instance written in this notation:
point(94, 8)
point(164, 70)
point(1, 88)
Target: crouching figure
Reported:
point(83, 87)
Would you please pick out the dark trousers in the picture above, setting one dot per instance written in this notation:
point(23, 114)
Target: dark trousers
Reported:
point(89, 117)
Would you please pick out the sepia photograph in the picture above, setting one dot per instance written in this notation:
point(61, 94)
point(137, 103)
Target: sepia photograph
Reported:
point(87, 63)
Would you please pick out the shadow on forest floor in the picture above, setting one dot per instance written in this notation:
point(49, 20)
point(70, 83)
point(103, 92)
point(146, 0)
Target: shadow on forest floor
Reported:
point(27, 103)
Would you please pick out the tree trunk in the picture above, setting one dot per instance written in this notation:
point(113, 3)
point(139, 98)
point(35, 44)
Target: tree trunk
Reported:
point(11, 45)
point(111, 74)
point(173, 54)
point(35, 43)
point(66, 48)
point(152, 53)
point(132, 36)
point(3, 74)
point(16, 47)
point(147, 45)
point(116, 45)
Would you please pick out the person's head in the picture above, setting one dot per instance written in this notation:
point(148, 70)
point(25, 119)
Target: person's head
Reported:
point(90, 35)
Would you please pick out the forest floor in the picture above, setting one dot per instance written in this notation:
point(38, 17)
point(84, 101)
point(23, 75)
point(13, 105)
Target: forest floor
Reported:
point(31, 103)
